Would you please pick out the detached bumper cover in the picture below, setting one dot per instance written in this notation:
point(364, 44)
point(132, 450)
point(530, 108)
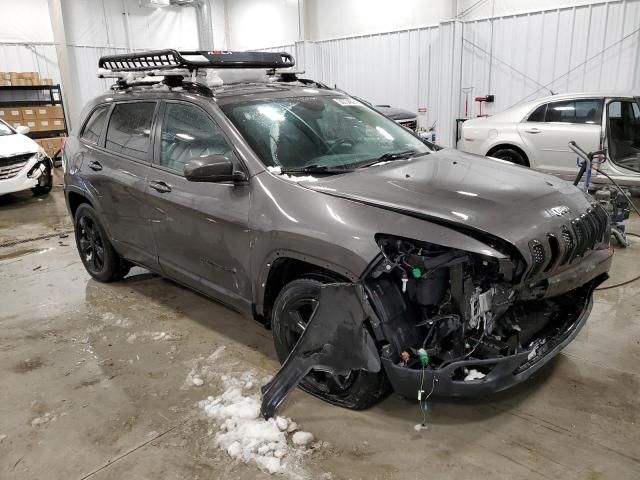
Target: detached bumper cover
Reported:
point(507, 371)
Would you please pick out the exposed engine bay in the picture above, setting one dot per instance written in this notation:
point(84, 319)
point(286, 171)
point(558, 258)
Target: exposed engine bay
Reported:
point(445, 306)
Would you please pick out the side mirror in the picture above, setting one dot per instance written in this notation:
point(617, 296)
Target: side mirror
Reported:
point(212, 168)
point(22, 130)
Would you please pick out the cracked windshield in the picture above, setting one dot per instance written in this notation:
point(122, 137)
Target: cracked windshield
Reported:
point(324, 134)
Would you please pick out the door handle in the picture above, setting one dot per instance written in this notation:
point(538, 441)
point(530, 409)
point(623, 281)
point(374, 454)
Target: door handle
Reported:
point(533, 130)
point(160, 187)
point(93, 165)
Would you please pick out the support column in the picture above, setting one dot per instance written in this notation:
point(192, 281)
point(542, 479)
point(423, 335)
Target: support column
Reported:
point(65, 64)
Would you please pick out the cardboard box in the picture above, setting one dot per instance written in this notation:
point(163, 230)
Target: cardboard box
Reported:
point(42, 113)
point(5, 83)
point(57, 124)
point(44, 125)
point(46, 81)
point(4, 115)
point(16, 124)
point(29, 75)
point(32, 124)
point(28, 113)
point(55, 112)
point(13, 114)
point(5, 75)
point(14, 77)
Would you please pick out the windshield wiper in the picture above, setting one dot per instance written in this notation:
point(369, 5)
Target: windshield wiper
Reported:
point(315, 169)
point(388, 157)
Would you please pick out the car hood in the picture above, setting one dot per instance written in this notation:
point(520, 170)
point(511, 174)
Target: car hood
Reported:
point(451, 187)
point(396, 113)
point(16, 144)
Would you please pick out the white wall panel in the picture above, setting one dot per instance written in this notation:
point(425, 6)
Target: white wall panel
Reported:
point(582, 48)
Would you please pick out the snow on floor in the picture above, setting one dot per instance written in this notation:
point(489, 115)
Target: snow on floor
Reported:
point(275, 446)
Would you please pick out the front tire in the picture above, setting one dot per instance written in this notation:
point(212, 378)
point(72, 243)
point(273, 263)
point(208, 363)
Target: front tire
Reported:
point(96, 252)
point(291, 311)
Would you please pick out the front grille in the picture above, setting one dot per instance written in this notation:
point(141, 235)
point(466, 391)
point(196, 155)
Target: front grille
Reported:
point(573, 240)
point(410, 124)
point(11, 166)
point(12, 171)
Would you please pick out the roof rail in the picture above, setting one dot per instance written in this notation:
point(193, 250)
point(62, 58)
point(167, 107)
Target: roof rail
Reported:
point(193, 60)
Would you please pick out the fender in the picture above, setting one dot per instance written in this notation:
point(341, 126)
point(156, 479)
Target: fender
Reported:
point(261, 281)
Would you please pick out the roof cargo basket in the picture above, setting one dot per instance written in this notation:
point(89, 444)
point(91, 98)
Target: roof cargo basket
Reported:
point(172, 59)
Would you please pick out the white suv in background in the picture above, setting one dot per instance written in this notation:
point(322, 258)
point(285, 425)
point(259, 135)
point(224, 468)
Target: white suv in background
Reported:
point(23, 163)
point(536, 134)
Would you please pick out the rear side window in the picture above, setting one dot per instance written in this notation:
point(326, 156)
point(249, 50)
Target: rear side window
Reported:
point(129, 131)
point(95, 124)
point(538, 114)
point(188, 133)
point(575, 111)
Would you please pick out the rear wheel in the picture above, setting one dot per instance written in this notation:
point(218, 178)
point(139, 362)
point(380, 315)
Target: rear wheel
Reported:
point(290, 314)
point(96, 252)
point(510, 155)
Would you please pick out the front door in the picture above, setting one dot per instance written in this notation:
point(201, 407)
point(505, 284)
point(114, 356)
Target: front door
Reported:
point(200, 229)
point(551, 127)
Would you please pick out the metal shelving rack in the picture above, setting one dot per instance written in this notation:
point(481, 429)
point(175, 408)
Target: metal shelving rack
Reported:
point(48, 95)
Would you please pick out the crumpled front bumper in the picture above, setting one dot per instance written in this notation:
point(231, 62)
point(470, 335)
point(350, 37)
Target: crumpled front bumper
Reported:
point(22, 181)
point(506, 372)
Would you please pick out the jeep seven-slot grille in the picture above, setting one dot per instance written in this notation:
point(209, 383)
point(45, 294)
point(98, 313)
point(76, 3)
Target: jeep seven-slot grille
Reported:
point(11, 166)
point(575, 239)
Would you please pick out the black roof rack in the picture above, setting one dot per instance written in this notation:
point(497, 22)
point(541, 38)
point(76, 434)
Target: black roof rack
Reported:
point(172, 59)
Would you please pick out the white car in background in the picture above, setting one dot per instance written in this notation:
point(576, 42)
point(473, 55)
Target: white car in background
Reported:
point(536, 134)
point(23, 163)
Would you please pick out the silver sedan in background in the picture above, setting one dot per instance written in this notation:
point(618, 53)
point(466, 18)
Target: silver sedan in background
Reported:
point(536, 134)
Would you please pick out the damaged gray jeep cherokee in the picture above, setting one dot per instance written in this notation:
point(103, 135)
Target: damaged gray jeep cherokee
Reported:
point(261, 193)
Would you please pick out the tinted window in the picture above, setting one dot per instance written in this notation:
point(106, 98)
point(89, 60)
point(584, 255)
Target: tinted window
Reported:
point(538, 114)
point(129, 130)
point(188, 133)
point(575, 111)
point(95, 124)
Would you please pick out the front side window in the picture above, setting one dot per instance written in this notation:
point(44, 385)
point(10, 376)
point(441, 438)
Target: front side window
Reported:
point(575, 111)
point(129, 130)
point(188, 133)
point(624, 133)
point(322, 131)
point(95, 124)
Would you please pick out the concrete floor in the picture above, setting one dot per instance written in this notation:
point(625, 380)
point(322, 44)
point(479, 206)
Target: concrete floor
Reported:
point(88, 391)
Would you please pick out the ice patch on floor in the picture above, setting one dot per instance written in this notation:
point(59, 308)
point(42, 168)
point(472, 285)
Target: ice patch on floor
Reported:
point(203, 369)
point(274, 445)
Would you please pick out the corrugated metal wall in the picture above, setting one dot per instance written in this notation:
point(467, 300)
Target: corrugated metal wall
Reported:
point(515, 57)
point(584, 48)
point(37, 57)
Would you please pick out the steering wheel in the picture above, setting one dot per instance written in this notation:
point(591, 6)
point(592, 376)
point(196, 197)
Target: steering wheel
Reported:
point(342, 141)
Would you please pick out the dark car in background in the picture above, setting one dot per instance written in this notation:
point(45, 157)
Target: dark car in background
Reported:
point(477, 272)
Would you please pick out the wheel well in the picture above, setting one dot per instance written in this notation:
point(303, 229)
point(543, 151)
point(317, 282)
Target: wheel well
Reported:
point(75, 200)
point(511, 147)
point(285, 270)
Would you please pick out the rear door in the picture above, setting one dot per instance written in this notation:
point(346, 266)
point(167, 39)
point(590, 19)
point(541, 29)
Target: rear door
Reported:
point(548, 130)
point(200, 229)
point(117, 169)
